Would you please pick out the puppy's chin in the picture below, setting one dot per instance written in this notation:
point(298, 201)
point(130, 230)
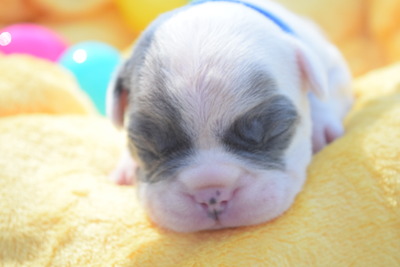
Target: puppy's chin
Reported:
point(258, 198)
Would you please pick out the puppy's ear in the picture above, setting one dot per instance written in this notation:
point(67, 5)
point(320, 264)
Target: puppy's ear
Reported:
point(312, 70)
point(117, 99)
point(118, 93)
point(124, 83)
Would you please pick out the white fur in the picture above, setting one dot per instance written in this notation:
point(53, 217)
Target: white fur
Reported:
point(205, 85)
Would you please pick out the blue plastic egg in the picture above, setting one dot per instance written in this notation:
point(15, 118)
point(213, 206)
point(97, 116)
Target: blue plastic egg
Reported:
point(93, 64)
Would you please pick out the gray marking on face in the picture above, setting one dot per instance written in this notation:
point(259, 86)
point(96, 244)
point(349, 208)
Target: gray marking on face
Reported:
point(262, 134)
point(158, 137)
point(154, 129)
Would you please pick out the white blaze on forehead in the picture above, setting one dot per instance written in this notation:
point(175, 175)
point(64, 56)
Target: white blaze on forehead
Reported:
point(209, 70)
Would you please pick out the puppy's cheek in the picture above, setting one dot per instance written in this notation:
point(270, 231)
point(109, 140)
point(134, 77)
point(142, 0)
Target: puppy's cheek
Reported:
point(265, 198)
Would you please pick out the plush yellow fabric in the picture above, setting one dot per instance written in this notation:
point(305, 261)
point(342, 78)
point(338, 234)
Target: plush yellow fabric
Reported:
point(367, 32)
point(28, 85)
point(57, 207)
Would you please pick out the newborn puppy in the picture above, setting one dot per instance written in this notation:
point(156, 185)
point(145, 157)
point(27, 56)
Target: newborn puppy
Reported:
point(224, 102)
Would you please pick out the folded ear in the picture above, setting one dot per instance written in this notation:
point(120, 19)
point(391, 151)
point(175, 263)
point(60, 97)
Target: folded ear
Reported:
point(117, 100)
point(123, 84)
point(312, 70)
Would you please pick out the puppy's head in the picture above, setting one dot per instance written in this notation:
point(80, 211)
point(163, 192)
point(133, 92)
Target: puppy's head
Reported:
point(218, 122)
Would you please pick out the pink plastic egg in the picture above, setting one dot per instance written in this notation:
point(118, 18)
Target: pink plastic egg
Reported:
point(33, 40)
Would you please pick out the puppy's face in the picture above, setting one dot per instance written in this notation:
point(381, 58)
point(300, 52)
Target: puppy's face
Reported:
point(230, 168)
point(221, 134)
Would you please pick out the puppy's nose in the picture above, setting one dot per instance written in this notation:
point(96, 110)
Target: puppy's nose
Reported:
point(212, 186)
point(210, 176)
point(214, 201)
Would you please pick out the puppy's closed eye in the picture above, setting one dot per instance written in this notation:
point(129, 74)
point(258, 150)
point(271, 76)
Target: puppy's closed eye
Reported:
point(158, 144)
point(250, 130)
point(263, 132)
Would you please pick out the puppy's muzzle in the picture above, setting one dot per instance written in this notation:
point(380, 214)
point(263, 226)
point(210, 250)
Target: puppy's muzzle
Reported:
point(212, 187)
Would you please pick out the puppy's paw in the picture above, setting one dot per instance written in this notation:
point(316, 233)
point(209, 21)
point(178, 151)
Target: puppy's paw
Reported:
point(326, 123)
point(124, 174)
point(326, 128)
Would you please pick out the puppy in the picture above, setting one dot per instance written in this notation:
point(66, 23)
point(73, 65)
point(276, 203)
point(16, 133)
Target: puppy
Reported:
point(224, 102)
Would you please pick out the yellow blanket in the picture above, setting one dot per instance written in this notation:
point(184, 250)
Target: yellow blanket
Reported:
point(57, 207)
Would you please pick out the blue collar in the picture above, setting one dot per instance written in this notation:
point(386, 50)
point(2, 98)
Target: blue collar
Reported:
point(264, 12)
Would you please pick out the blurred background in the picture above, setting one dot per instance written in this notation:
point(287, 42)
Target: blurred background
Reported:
point(366, 31)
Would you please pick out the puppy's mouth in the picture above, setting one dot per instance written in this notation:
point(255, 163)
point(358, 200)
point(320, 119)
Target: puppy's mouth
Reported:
point(215, 210)
point(218, 213)
point(215, 205)
point(215, 213)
